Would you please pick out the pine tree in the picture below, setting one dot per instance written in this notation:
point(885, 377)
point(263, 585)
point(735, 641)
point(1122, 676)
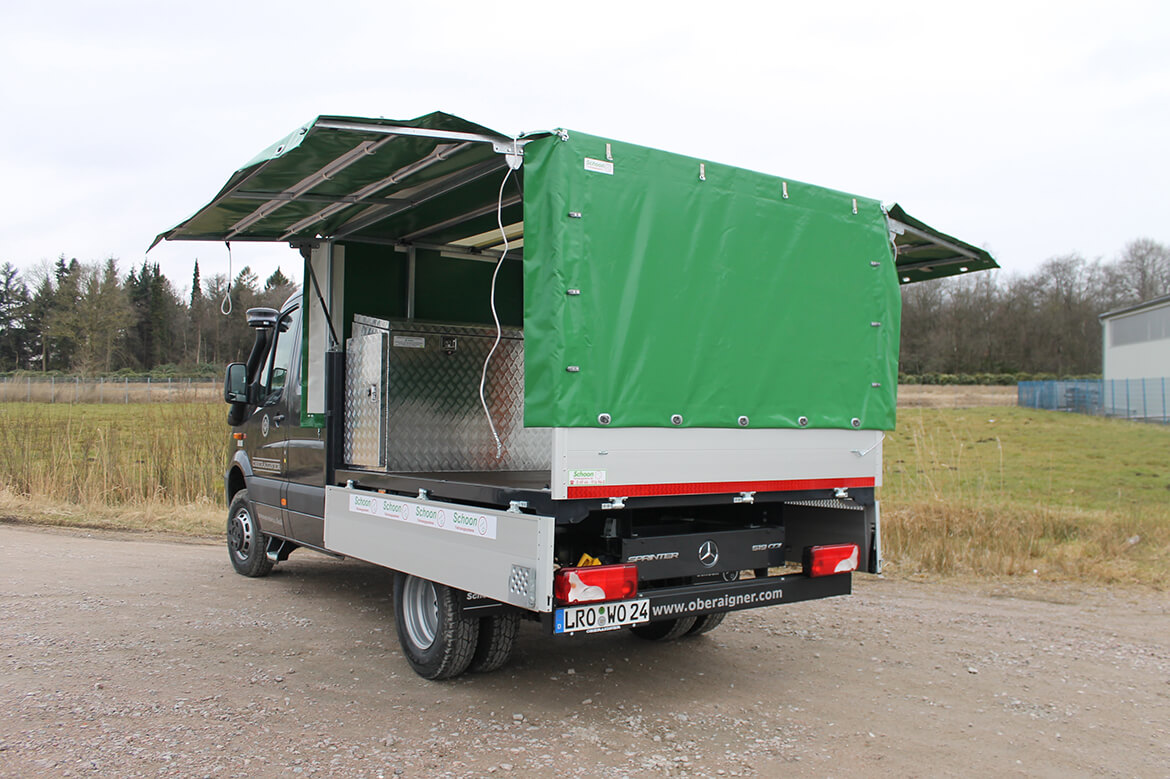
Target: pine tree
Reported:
point(37, 321)
point(14, 302)
point(111, 316)
point(61, 328)
point(140, 289)
point(276, 280)
point(195, 312)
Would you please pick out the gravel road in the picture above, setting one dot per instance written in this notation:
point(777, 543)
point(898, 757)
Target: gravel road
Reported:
point(137, 656)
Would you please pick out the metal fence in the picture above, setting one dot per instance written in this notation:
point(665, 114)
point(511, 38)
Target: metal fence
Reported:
point(134, 389)
point(1140, 399)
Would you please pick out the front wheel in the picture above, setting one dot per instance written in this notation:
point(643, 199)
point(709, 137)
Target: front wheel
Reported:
point(247, 546)
point(437, 640)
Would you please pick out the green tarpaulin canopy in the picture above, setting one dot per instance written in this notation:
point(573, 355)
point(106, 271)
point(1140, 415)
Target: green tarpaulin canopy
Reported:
point(658, 289)
point(429, 179)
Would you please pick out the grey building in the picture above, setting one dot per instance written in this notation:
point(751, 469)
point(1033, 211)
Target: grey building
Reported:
point(1137, 341)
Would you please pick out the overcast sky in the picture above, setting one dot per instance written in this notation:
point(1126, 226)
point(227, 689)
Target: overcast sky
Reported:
point(1034, 129)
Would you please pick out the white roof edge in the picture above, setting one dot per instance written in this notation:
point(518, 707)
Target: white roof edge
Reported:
point(1152, 303)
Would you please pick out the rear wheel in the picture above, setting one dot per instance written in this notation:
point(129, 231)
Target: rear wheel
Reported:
point(247, 546)
point(497, 638)
point(436, 639)
point(706, 623)
point(664, 630)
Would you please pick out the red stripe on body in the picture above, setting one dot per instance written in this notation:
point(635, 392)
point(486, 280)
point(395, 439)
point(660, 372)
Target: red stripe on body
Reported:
point(713, 487)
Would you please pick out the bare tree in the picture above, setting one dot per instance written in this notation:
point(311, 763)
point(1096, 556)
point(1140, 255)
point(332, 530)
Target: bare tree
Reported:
point(1144, 270)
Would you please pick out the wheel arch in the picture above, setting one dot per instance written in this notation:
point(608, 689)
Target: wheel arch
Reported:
point(236, 477)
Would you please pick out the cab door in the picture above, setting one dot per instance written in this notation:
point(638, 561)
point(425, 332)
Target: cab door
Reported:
point(304, 490)
point(268, 427)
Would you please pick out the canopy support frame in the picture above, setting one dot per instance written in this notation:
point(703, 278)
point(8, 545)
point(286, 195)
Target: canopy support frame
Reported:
point(327, 171)
point(467, 216)
point(436, 155)
point(936, 241)
point(442, 187)
point(500, 144)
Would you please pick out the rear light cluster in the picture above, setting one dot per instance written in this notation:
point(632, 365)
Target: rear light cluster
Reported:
point(830, 559)
point(595, 583)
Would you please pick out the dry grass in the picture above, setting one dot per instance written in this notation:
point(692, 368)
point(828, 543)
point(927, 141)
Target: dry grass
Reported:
point(984, 491)
point(1009, 491)
point(77, 390)
point(955, 395)
point(154, 467)
point(203, 518)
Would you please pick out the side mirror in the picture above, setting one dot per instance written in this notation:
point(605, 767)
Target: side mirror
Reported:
point(235, 383)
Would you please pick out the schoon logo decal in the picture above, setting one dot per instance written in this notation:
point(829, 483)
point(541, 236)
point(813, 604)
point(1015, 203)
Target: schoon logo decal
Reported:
point(426, 515)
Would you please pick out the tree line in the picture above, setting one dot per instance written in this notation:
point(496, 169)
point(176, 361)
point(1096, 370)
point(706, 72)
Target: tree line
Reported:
point(90, 319)
point(1044, 322)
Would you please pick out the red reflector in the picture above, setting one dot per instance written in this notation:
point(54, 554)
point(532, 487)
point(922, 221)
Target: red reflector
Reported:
point(831, 559)
point(595, 583)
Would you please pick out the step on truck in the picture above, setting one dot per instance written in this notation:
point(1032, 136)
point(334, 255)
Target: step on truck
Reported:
point(562, 378)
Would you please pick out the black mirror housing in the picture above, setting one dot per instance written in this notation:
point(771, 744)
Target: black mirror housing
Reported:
point(235, 383)
point(263, 318)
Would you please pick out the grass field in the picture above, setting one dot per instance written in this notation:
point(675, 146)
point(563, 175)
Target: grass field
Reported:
point(987, 491)
point(1024, 492)
point(138, 466)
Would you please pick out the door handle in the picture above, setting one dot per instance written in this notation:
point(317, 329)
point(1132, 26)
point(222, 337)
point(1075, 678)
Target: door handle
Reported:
point(276, 420)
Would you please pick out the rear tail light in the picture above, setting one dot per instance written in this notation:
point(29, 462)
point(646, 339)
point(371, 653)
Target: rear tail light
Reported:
point(595, 583)
point(830, 559)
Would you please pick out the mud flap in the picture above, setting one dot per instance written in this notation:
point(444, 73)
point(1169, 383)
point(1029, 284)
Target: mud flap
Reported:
point(834, 522)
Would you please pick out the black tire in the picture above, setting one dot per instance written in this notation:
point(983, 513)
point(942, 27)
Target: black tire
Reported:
point(706, 623)
point(247, 546)
point(436, 639)
point(497, 638)
point(664, 630)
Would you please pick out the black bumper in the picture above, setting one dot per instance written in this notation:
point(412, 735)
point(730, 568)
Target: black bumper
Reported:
point(690, 600)
point(694, 599)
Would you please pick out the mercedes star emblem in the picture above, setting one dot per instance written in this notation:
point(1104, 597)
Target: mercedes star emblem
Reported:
point(708, 553)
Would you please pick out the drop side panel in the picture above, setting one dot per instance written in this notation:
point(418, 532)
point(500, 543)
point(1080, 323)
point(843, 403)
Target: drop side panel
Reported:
point(630, 462)
point(498, 554)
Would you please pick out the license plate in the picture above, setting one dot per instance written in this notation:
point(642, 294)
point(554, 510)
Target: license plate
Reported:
point(601, 616)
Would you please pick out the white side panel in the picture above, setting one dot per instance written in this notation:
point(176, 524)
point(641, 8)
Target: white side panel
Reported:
point(504, 556)
point(330, 279)
point(336, 295)
point(625, 462)
point(1147, 360)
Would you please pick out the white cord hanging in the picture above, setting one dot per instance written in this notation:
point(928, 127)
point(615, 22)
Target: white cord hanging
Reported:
point(496, 317)
point(225, 307)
